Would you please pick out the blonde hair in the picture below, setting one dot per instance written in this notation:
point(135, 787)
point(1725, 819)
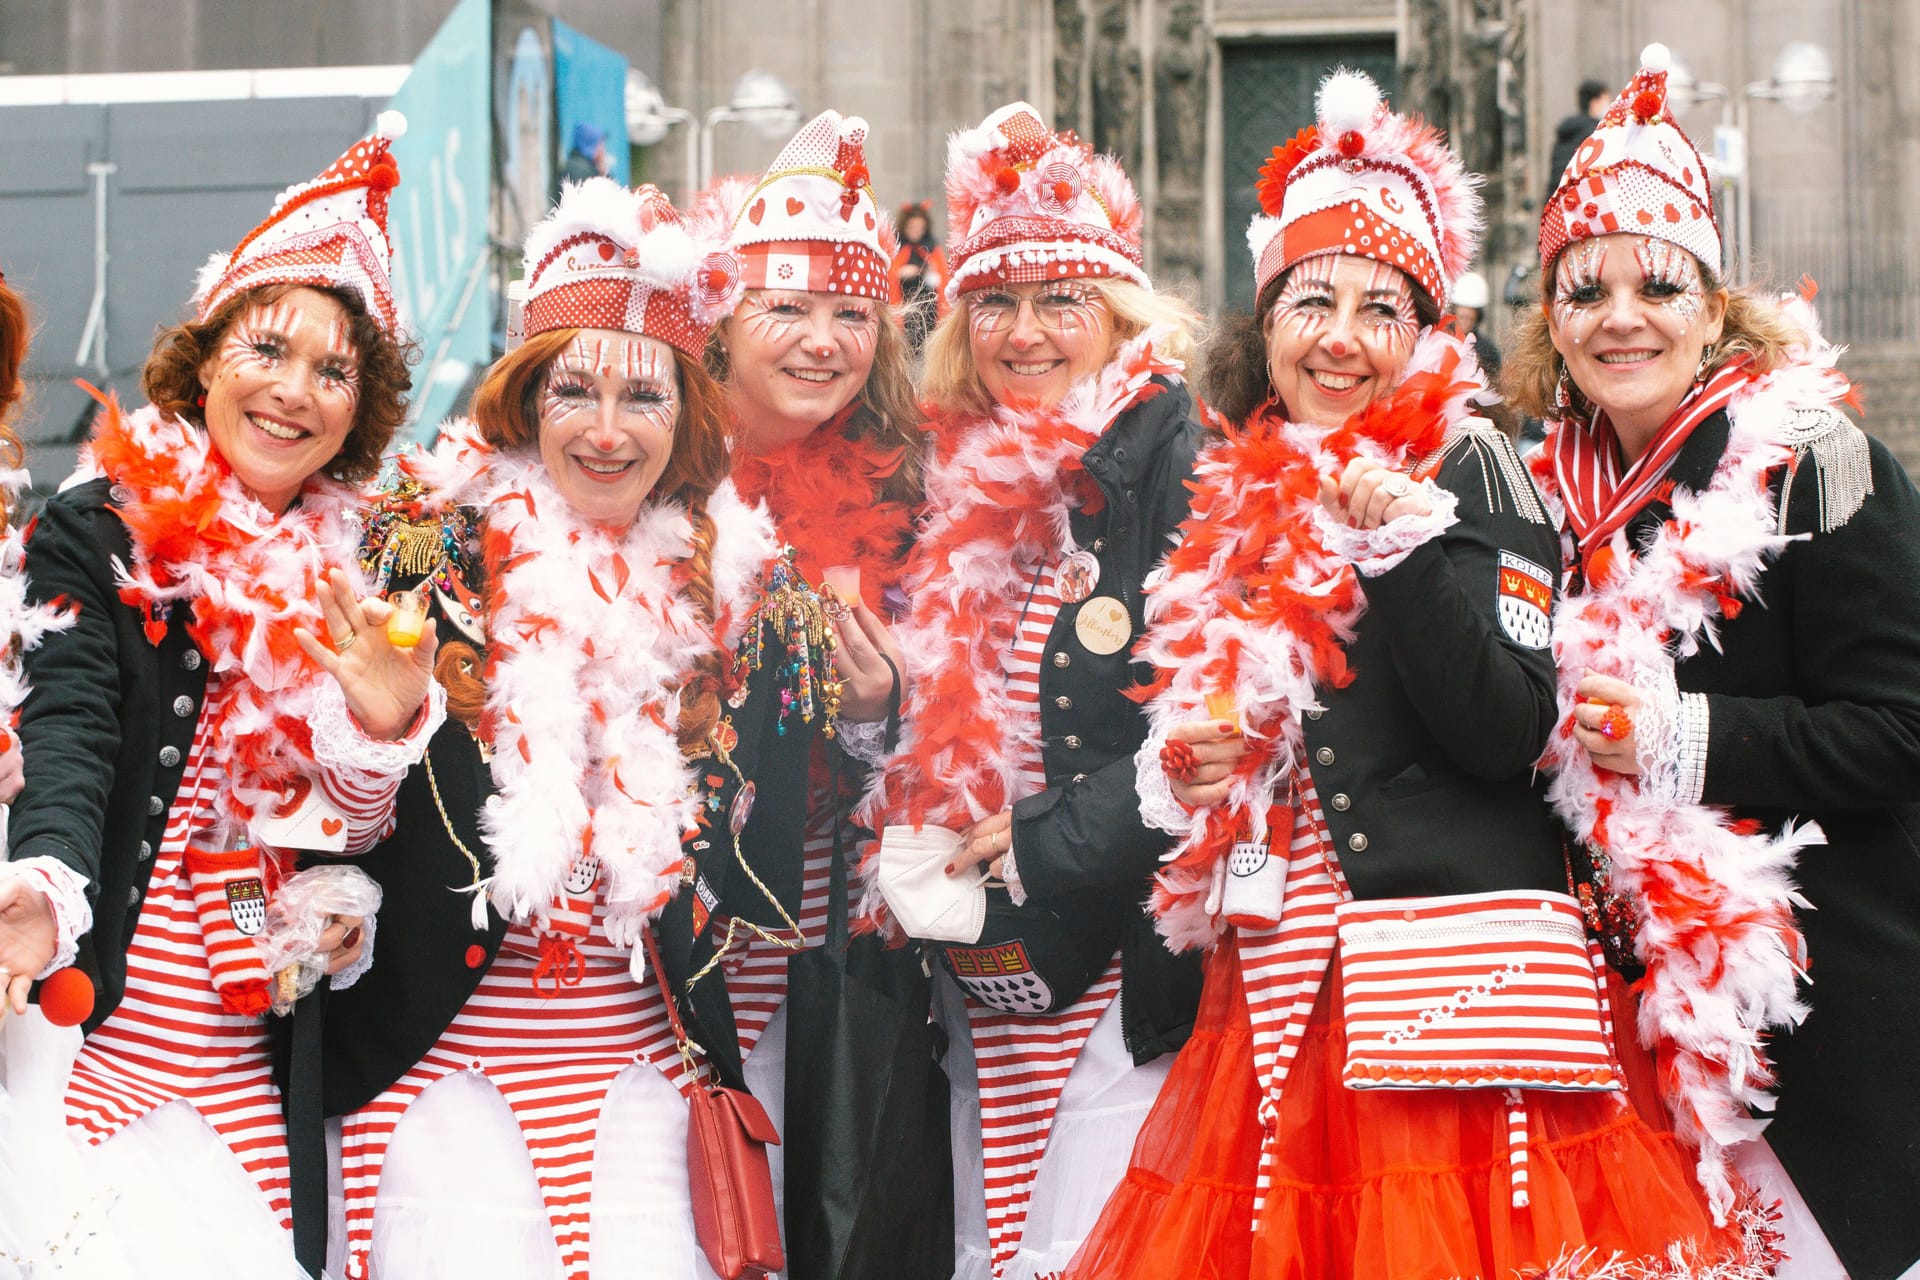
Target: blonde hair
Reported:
point(1754, 327)
point(950, 382)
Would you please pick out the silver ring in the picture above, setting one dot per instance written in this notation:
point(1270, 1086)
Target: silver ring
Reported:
point(1399, 486)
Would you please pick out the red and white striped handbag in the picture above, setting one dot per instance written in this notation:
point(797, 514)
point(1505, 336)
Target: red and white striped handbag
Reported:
point(1478, 991)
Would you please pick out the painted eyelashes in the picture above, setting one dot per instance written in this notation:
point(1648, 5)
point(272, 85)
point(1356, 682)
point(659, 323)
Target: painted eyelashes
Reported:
point(646, 387)
point(1667, 264)
point(1295, 293)
point(259, 338)
point(765, 322)
point(1580, 269)
point(1390, 285)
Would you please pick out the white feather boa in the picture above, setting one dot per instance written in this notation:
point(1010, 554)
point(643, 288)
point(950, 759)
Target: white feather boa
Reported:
point(22, 624)
point(591, 635)
point(1257, 512)
point(1715, 901)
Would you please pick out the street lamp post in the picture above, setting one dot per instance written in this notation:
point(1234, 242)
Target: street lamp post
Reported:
point(761, 101)
point(1802, 79)
point(649, 118)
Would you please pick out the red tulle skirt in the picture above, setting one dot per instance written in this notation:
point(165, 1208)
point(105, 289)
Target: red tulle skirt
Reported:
point(1391, 1184)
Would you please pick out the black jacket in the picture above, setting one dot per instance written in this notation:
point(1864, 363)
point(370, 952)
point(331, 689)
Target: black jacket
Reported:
point(1080, 845)
point(105, 730)
point(1423, 764)
point(429, 957)
point(1814, 713)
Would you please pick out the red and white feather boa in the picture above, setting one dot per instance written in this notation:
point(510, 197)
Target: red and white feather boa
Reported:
point(591, 635)
point(250, 578)
point(1253, 603)
point(1715, 897)
point(22, 624)
point(1001, 491)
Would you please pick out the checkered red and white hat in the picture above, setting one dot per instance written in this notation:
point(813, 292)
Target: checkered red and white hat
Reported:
point(328, 233)
point(610, 258)
point(812, 223)
point(1367, 181)
point(1636, 172)
point(1026, 204)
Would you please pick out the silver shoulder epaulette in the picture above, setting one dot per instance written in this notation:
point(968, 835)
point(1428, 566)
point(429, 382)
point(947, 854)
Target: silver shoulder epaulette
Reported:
point(1502, 474)
point(1842, 464)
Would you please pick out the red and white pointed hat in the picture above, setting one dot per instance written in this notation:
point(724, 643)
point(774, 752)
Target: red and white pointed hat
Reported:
point(1636, 172)
point(328, 233)
point(1026, 204)
point(1368, 181)
point(812, 222)
point(611, 258)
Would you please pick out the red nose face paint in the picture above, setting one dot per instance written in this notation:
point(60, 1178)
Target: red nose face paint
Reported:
point(1336, 348)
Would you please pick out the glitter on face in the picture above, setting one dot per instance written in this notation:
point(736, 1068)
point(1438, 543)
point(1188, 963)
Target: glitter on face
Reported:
point(1304, 304)
point(1389, 308)
point(589, 368)
point(1670, 277)
point(262, 339)
point(1576, 288)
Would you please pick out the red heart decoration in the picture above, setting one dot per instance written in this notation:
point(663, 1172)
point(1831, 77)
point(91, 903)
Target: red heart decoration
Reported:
point(757, 212)
point(606, 255)
point(1686, 176)
point(1673, 214)
point(331, 826)
point(794, 207)
point(869, 222)
point(1645, 217)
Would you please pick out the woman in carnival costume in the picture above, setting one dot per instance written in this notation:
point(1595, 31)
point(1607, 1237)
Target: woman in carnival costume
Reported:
point(1739, 656)
point(217, 700)
point(826, 433)
point(1403, 1065)
point(1062, 443)
point(514, 1098)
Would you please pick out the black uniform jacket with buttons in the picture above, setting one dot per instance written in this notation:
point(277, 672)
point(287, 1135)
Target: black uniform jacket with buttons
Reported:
point(1814, 713)
point(428, 957)
point(1080, 846)
point(1423, 764)
point(104, 731)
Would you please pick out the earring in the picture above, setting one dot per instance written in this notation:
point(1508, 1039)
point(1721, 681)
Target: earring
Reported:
point(200, 401)
point(1562, 397)
point(1706, 359)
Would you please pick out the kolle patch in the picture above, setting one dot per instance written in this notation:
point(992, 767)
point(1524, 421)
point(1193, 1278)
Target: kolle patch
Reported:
point(1525, 601)
point(1000, 976)
point(247, 904)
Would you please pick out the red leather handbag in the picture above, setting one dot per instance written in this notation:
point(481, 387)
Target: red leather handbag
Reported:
point(728, 1133)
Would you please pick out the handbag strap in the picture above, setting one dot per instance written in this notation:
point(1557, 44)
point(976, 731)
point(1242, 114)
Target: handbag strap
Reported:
point(680, 1038)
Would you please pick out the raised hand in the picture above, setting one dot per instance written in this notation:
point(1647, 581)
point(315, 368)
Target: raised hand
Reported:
point(385, 685)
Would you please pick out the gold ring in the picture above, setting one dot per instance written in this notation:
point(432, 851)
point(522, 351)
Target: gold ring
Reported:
point(341, 646)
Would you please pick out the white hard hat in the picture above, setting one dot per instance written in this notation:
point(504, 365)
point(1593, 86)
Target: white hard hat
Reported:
point(1470, 290)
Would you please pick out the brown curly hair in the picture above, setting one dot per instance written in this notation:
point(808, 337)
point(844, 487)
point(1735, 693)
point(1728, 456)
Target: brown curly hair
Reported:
point(171, 378)
point(15, 332)
point(1753, 326)
point(887, 410)
point(506, 409)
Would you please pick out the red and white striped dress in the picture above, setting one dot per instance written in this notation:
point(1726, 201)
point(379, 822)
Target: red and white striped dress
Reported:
point(168, 1040)
point(553, 1058)
point(1059, 1099)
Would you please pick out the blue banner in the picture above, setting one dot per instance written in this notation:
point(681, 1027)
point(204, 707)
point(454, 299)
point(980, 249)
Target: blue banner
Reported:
point(590, 105)
point(438, 219)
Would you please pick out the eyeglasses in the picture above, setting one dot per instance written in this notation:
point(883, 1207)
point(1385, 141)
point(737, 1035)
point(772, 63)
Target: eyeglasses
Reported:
point(1056, 308)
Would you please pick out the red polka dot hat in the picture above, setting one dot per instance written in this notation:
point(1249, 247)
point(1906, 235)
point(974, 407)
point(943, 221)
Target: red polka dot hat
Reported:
point(1026, 204)
point(1367, 181)
point(329, 233)
point(610, 258)
point(812, 223)
point(1637, 172)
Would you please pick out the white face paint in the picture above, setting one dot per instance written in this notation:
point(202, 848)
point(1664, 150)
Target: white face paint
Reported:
point(609, 404)
point(282, 390)
point(1631, 318)
point(796, 359)
point(1339, 334)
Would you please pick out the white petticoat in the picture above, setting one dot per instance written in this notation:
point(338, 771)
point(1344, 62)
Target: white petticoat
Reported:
point(458, 1198)
point(1105, 1102)
point(162, 1198)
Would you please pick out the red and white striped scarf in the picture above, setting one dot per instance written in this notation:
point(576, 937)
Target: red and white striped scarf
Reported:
point(1600, 496)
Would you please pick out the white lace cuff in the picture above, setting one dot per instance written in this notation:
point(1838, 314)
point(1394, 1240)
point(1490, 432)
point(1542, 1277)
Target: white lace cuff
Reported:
point(1374, 551)
point(353, 972)
point(1010, 875)
point(1670, 736)
point(1158, 808)
point(865, 741)
point(66, 891)
point(341, 746)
